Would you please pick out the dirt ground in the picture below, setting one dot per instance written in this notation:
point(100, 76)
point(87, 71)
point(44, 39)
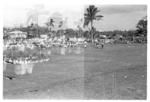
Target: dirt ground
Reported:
point(115, 72)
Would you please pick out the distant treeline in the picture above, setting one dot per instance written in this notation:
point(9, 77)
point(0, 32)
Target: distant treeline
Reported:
point(127, 35)
point(77, 33)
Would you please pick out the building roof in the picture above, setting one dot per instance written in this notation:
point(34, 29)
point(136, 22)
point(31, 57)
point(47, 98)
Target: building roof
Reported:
point(17, 32)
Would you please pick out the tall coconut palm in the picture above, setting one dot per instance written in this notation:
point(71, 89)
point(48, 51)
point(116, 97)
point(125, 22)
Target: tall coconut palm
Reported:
point(90, 15)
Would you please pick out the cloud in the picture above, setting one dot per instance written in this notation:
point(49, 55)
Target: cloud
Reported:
point(119, 9)
point(34, 13)
point(115, 16)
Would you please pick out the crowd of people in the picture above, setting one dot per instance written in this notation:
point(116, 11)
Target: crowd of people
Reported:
point(17, 51)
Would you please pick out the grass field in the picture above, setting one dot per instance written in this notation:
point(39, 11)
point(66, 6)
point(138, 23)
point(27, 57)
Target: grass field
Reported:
point(115, 72)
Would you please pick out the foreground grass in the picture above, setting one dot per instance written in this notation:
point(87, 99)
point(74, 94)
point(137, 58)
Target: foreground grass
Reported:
point(115, 72)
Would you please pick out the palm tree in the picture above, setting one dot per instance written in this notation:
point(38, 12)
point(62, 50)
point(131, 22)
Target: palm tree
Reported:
point(60, 24)
point(31, 30)
point(90, 15)
point(50, 24)
point(80, 31)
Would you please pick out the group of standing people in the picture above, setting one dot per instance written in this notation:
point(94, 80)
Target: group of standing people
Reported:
point(99, 43)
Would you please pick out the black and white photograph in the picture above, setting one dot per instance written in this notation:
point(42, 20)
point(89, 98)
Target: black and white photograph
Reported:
point(74, 51)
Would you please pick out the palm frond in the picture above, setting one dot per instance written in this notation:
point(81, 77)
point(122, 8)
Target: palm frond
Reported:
point(91, 14)
point(98, 17)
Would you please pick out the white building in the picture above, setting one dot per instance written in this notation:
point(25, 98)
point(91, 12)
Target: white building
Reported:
point(17, 34)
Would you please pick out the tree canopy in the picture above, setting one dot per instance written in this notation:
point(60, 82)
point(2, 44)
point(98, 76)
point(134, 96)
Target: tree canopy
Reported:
point(142, 27)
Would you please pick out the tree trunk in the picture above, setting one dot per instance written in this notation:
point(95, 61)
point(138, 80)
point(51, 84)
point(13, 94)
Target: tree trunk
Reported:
point(133, 38)
point(91, 31)
point(50, 31)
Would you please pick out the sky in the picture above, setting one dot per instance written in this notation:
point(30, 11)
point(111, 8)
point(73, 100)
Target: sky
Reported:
point(116, 17)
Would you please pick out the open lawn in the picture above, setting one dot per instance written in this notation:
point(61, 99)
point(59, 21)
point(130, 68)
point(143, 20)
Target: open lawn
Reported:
point(115, 72)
